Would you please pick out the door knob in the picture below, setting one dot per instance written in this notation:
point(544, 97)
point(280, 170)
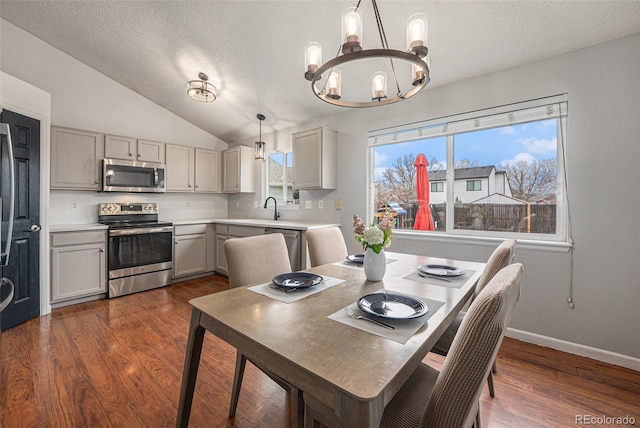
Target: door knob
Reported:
point(34, 228)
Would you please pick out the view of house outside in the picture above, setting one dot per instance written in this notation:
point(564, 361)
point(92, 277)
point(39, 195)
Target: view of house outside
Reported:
point(505, 178)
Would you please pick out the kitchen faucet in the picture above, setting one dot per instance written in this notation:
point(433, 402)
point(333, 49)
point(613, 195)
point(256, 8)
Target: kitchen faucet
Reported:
point(276, 214)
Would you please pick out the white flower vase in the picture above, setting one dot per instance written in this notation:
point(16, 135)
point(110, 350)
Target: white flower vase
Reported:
point(375, 265)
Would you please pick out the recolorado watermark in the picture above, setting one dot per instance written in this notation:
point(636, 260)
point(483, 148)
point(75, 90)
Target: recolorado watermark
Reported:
point(604, 420)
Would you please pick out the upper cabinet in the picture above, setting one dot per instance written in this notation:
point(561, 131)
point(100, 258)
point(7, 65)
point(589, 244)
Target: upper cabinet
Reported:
point(207, 171)
point(133, 149)
point(314, 159)
point(239, 170)
point(76, 159)
point(192, 170)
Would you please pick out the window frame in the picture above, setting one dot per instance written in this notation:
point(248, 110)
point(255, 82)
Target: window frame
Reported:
point(517, 113)
point(473, 183)
point(282, 203)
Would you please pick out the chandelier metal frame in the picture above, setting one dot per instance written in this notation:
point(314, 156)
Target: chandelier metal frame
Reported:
point(415, 55)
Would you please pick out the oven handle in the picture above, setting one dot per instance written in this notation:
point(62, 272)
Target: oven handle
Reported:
point(140, 231)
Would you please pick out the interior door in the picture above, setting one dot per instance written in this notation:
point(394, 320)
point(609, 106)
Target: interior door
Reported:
point(23, 268)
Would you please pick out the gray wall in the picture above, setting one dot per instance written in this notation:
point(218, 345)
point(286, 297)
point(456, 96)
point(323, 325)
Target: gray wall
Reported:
point(603, 153)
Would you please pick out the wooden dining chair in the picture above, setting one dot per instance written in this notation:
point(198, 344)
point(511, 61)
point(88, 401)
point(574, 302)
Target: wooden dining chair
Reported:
point(449, 398)
point(502, 256)
point(326, 246)
point(252, 260)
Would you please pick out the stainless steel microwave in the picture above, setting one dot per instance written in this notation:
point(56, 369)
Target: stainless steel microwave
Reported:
point(137, 177)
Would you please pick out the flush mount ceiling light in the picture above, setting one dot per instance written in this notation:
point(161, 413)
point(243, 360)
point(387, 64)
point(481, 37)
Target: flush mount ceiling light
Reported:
point(411, 65)
point(201, 90)
point(260, 143)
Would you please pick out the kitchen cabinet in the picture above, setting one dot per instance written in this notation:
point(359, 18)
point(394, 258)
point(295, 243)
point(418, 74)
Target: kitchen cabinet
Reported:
point(315, 159)
point(207, 171)
point(239, 170)
point(224, 232)
point(78, 265)
point(190, 250)
point(192, 170)
point(76, 159)
point(133, 149)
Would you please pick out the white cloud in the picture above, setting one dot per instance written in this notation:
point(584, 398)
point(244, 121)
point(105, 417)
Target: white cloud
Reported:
point(539, 145)
point(379, 166)
point(520, 157)
point(508, 130)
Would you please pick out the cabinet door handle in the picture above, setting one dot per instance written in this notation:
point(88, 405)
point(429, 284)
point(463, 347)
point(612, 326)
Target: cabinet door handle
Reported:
point(101, 250)
point(130, 154)
point(97, 182)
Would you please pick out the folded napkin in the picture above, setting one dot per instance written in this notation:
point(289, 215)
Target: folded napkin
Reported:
point(403, 329)
point(279, 294)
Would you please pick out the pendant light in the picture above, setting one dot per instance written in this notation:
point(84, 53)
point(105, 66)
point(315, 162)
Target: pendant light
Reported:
point(260, 143)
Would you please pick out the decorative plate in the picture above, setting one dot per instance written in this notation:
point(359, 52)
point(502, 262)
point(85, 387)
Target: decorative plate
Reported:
point(392, 306)
point(356, 258)
point(441, 270)
point(297, 280)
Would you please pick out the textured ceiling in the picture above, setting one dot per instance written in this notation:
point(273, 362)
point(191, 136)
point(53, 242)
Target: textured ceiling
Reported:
point(253, 50)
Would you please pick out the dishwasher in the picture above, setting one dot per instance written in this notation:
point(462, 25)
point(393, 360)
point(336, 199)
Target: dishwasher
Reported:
point(292, 238)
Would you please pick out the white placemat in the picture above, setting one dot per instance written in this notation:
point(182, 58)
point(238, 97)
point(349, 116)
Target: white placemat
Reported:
point(279, 294)
point(351, 265)
point(455, 281)
point(403, 329)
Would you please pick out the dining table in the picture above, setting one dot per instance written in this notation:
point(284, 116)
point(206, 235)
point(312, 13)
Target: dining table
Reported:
point(307, 338)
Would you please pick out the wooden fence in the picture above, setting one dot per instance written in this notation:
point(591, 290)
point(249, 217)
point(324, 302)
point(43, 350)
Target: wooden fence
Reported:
point(494, 217)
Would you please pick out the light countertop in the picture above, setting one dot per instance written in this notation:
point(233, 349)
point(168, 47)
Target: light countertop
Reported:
point(76, 227)
point(280, 224)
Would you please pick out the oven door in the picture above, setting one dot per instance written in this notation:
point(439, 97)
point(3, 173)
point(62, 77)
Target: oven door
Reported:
point(139, 250)
point(128, 176)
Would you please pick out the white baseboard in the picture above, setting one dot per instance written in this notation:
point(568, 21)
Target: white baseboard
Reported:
point(576, 349)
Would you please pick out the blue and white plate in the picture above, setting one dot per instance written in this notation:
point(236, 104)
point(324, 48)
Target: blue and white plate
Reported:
point(295, 280)
point(356, 258)
point(440, 270)
point(392, 306)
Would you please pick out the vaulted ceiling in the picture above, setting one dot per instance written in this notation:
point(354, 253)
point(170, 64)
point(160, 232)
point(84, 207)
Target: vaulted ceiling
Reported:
point(253, 51)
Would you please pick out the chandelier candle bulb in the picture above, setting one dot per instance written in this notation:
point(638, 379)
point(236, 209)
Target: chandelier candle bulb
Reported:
point(379, 85)
point(418, 75)
point(312, 58)
point(334, 85)
point(352, 30)
point(417, 34)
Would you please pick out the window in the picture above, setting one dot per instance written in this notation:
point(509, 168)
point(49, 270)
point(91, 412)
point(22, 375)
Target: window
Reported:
point(474, 185)
point(279, 177)
point(437, 187)
point(503, 168)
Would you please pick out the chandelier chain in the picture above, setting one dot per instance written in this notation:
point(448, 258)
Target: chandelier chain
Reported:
point(385, 44)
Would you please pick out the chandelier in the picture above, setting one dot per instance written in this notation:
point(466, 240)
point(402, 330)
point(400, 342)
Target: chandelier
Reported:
point(201, 90)
point(413, 63)
point(260, 143)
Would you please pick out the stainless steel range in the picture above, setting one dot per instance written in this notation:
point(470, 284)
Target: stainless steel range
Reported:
point(140, 247)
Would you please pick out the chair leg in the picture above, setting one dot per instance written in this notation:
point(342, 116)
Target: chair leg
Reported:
point(494, 367)
point(478, 423)
point(490, 382)
point(241, 362)
point(297, 407)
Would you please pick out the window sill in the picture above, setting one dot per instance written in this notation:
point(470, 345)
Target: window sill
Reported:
point(528, 244)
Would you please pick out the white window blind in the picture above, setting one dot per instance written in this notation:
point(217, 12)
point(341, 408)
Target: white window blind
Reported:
point(529, 111)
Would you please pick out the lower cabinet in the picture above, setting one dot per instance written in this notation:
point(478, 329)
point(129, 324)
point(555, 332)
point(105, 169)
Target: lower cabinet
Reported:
point(224, 232)
point(190, 250)
point(78, 265)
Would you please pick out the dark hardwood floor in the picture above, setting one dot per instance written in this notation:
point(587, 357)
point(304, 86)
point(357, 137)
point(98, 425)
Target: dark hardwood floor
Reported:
point(119, 363)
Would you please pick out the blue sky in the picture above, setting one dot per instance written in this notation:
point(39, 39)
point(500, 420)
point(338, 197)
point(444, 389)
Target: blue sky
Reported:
point(497, 146)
